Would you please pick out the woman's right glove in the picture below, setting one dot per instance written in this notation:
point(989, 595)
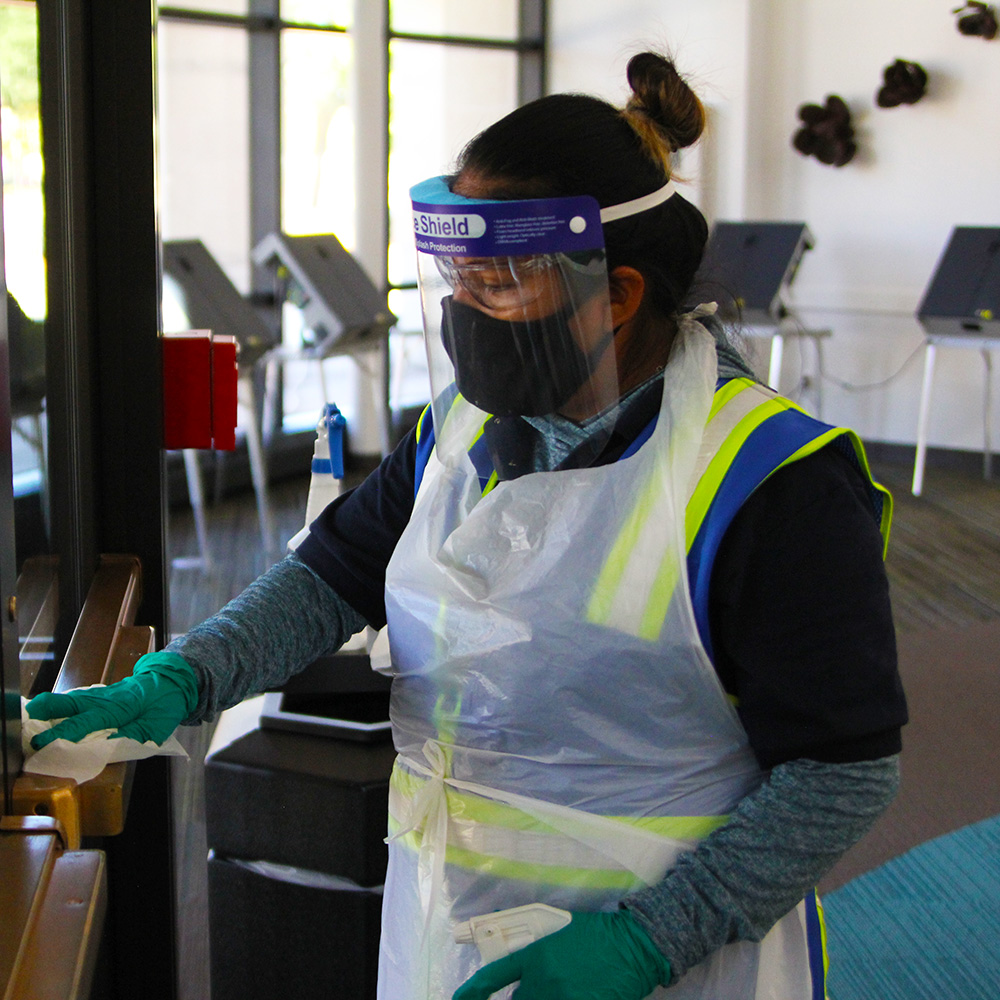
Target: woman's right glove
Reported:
point(161, 693)
point(597, 956)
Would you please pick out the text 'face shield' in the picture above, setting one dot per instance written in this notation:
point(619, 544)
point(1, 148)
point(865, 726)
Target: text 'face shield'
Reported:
point(517, 318)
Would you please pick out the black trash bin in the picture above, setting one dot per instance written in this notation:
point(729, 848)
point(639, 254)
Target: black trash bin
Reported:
point(296, 826)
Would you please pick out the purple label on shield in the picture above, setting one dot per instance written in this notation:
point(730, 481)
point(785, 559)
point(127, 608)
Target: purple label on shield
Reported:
point(508, 229)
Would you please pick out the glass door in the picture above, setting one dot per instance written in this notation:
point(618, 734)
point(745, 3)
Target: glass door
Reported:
point(23, 478)
point(81, 431)
point(10, 719)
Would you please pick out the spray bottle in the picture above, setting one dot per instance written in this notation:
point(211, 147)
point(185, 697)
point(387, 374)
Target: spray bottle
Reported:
point(327, 467)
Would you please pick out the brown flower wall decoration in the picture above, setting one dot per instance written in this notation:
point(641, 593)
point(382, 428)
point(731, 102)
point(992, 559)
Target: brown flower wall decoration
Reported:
point(977, 19)
point(903, 83)
point(826, 132)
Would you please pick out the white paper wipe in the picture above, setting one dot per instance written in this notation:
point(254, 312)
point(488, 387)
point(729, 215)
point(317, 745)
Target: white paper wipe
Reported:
point(86, 759)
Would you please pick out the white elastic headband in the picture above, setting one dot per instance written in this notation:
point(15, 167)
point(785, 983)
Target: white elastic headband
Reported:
point(637, 205)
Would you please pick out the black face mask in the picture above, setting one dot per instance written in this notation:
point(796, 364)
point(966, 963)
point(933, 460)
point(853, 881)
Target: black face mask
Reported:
point(530, 368)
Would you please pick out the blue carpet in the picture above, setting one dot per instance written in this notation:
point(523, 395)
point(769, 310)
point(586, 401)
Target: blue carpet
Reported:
point(924, 926)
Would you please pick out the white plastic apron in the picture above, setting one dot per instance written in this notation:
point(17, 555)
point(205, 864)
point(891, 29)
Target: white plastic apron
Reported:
point(554, 747)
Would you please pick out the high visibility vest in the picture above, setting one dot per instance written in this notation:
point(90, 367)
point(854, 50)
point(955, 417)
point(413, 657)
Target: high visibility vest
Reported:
point(751, 433)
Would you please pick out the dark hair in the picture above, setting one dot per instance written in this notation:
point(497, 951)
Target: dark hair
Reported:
point(572, 144)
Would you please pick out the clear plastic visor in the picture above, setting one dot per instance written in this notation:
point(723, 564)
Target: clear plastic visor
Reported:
point(526, 336)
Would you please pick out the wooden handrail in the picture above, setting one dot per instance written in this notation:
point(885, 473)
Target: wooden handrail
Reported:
point(53, 903)
point(53, 897)
point(111, 604)
point(104, 648)
point(26, 860)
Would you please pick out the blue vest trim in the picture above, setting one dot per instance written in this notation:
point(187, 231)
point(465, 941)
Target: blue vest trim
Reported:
point(478, 453)
point(770, 444)
point(814, 945)
point(425, 445)
point(641, 438)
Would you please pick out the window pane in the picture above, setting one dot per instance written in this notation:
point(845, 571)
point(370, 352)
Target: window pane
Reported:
point(440, 97)
point(204, 155)
point(336, 13)
point(24, 215)
point(212, 6)
point(409, 382)
point(497, 19)
point(317, 135)
point(24, 263)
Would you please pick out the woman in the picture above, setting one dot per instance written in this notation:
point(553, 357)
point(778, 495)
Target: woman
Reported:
point(643, 656)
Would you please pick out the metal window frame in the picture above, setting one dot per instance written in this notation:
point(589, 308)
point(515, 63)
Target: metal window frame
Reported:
point(10, 730)
point(264, 24)
point(103, 359)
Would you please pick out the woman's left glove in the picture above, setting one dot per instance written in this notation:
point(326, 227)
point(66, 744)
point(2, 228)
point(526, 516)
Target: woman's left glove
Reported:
point(597, 956)
point(161, 693)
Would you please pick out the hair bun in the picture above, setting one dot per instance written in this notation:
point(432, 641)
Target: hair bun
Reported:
point(663, 104)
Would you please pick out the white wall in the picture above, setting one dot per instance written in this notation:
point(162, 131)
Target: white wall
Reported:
point(880, 222)
point(590, 45)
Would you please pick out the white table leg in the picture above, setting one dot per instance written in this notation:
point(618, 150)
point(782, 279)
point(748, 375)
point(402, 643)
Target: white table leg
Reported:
point(777, 353)
point(258, 467)
point(197, 497)
point(925, 408)
point(987, 414)
point(819, 376)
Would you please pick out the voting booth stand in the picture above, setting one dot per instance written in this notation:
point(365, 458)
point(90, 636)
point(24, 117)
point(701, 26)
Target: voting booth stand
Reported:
point(749, 267)
point(342, 311)
point(296, 815)
point(960, 308)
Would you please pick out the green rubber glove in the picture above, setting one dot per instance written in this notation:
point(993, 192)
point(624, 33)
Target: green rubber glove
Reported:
point(149, 705)
point(597, 956)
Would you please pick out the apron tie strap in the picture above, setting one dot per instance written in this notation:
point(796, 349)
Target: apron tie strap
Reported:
point(427, 811)
point(642, 852)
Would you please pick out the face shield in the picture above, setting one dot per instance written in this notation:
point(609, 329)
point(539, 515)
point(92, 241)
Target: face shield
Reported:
point(517, 318)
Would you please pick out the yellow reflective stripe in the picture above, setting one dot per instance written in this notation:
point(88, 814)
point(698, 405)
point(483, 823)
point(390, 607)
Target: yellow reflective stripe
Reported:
point(477, 435)
point(528, 871)
point(420, 421)
point(609, 579)
point(468, 807)
point(727, 393)
point(711, 480)
point(489, 812)
point(607, 595)
point(480, 430)
point(443, 719)
point(675, 827)
point(660, 596)
point(444, 723)
point(455, 413)
point(887, 501)
point(822, 936)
